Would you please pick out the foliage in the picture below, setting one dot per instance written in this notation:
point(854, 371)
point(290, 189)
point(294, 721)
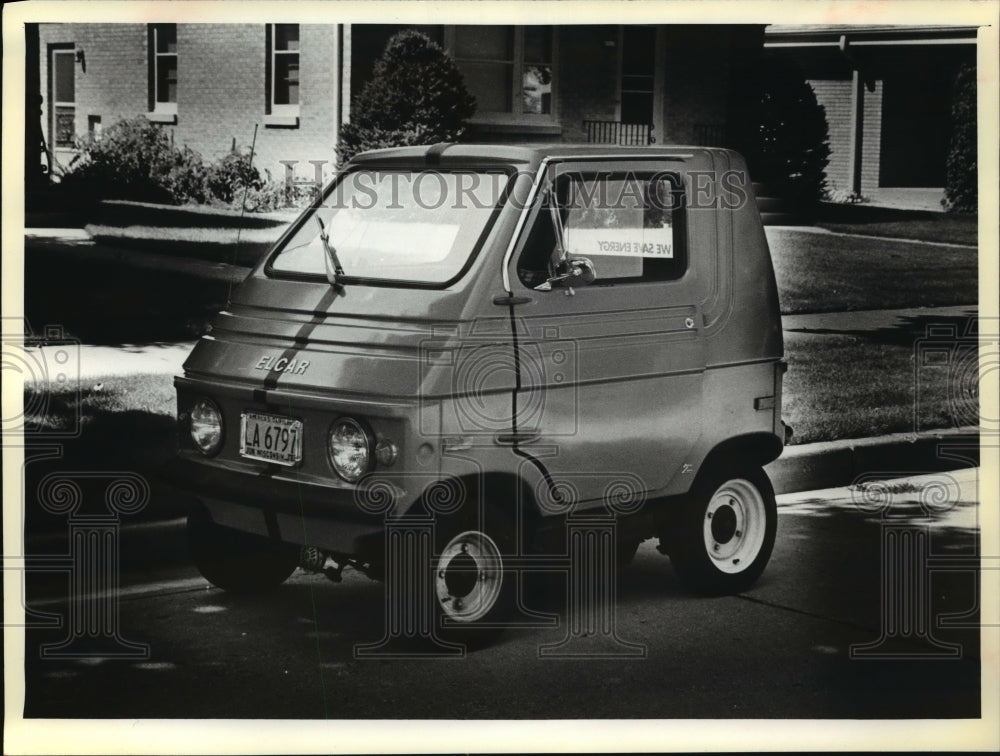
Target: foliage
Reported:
point(782, 131)
point(962, 190)
point(135, 160)
point(131, 160)
point(416, 96)
point(186, 180)
point(228, 176)
point(842, 196)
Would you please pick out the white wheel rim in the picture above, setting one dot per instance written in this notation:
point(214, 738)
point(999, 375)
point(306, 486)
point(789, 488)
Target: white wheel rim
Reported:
point(734, 525)
point(468, 577)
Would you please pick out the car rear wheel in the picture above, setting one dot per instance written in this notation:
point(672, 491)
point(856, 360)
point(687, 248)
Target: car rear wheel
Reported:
point(724, 535)
point(238, 562)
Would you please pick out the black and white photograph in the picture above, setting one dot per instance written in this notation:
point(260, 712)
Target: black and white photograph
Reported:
point(345, 409)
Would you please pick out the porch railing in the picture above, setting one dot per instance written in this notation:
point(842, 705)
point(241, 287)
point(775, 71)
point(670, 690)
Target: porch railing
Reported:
point(710, 135)
point(616, 132)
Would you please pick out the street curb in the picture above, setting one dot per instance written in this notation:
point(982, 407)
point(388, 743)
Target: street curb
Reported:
point(829, 464)
point(90, 251)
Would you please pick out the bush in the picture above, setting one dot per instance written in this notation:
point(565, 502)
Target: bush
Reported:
point(132, 160)
point(782, 131)
point(230, 175)
point(962, 190)
point(416, 96)
point(187, 179)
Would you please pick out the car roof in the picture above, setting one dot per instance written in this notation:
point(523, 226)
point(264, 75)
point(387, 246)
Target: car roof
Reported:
point(531, 154)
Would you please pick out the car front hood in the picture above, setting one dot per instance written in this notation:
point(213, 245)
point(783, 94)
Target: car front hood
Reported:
point(359, 340)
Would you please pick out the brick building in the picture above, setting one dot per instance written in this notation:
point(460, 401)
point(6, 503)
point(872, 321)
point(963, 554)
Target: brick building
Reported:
point(209, 84)
point(887, 91)
point(667, 83)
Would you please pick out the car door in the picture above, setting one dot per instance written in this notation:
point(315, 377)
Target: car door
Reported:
point(610, 374)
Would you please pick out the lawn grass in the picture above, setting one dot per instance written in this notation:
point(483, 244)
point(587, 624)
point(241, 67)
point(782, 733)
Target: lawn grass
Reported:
point(206, 243)
point(837, 386)
point(106, 302)
point(819, 272)
point(947, 228)
point(194, 235)
point(121, 213)
point(92, 398)
point(850, 386)
point(106, 428)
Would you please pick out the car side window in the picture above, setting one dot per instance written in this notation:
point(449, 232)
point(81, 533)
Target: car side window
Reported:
point(629, 225)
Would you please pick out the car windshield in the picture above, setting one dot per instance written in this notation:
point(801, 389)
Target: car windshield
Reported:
point(398, 225)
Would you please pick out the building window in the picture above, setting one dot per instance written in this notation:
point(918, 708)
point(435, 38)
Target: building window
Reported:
point(509, 69)
point(282, 42)
point(62, 83)
point(638, 50)
point(163, 68)
point(94, 127)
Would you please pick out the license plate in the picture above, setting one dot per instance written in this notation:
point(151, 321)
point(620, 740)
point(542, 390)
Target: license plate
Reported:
point(271, 438)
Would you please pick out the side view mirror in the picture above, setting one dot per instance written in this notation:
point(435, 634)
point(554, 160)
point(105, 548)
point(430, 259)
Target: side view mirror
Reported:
point(569, 271)
point(575, 271)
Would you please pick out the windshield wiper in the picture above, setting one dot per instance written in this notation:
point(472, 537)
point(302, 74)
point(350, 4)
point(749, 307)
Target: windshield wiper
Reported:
point(333, 266)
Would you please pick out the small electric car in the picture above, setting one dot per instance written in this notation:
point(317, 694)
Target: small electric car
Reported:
point(479, 347)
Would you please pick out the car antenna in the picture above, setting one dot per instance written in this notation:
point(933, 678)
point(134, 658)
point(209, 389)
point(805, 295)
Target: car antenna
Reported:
point(243, 209)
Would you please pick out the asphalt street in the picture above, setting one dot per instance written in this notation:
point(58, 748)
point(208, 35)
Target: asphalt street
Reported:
point(843, 624)
point(869, 609)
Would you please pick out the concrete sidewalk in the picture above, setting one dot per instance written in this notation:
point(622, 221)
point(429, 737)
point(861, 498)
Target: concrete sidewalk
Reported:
point(873, 320)
point(95, 361)
point(776, 232)
point(51, 243)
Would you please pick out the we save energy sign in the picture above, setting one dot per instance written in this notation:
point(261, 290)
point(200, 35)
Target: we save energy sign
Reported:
point(621, 242)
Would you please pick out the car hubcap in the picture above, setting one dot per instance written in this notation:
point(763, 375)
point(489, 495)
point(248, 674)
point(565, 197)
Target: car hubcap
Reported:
point(469, 576)
point(734, 525)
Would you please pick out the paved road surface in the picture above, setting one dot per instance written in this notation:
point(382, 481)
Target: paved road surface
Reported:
point(783, 649)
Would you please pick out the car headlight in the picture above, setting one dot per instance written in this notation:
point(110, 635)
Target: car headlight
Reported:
point(206, 426)
point(350, 449)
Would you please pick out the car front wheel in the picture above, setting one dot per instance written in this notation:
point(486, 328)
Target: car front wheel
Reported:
point(473, 588)
point(238, 562)
point(725, 533)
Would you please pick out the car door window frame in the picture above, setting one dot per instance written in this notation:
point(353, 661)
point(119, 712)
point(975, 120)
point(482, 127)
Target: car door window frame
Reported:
point(670, 168)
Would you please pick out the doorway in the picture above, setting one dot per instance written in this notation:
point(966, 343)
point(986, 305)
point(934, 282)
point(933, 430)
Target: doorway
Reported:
point(916, 125)
point(62, 98)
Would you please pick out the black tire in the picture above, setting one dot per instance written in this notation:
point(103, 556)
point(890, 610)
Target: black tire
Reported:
point(626, 549)
point(724, 534)
point(473, 591)
point(238, 562)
